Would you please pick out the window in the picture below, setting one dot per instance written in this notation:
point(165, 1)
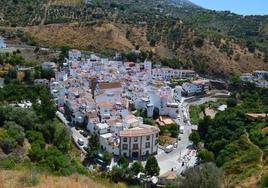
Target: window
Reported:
point(156, 142)
point(125, 139)
point(135, 139)
point(147, 145)
point(156, 135)
point(124, 146)
point(147, 137)
point(135, 146)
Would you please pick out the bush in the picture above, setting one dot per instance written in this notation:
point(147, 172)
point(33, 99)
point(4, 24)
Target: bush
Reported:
point(264, 181)
point(205, 156)
point(123, 162)
point(137, 167)
point(8, 144)
point(231, 103)
point(7, 164)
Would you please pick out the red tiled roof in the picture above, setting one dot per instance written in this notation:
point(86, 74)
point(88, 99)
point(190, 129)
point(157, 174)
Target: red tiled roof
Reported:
point(104, 85)
point(139, 131)
point(104, 104)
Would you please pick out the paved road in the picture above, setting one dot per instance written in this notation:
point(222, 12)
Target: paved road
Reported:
point(183, 156)
point(167, 161)
point(75, 133)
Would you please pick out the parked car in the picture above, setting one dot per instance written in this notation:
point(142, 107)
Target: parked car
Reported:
point(169, 148)
point(181, 129)
point(80, 142)
point(84, 133)
point(85, 148)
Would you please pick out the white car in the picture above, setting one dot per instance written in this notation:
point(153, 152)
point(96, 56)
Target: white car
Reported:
point(80, 142)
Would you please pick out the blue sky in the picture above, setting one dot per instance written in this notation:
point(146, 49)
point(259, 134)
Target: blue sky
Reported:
point(244, 7)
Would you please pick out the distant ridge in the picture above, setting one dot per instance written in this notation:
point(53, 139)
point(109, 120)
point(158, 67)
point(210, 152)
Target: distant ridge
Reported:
point(183, 3)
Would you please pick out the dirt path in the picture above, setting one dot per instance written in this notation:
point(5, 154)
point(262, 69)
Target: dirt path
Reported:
point(261, 158)
point(47, 5)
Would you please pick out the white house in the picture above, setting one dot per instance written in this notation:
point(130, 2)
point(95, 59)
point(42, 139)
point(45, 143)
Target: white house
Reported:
point(105, 109)
point(110, 143)
point(202, 85)
point(101, 128)
point(177, 93)
point(2, 42)
point(189, 88)
point(260, 75)
point(262, 83)
point(247, 77)
point(49, 66)
point(74, 55)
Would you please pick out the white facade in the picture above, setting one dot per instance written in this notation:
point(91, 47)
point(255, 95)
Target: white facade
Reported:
point(74, 55)
point(49, 66)
point(2, 42)
point(189, 88)
point(260, 74)
point(247, 77)
point(139, 142)
point(177, 93)
point(110, 143)
point(168, 73)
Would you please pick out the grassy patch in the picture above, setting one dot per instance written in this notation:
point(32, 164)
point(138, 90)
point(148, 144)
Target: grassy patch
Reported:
point(240, 160)
point(7, 164)
point(195, 111)
point(30, 180)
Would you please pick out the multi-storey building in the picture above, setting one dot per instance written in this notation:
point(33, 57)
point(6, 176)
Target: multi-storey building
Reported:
point(139, 142)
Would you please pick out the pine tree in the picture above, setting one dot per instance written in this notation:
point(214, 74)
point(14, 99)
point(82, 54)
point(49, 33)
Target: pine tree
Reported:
point(152, 167)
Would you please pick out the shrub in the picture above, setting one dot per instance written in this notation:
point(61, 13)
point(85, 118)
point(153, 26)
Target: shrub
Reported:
point(7, 164)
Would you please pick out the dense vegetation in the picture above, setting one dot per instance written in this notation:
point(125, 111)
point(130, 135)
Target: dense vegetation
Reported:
point(33, 134)
point(48, 138)
point(238, 142)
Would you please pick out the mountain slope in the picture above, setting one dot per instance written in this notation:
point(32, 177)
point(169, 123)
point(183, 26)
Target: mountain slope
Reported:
point(211, 42)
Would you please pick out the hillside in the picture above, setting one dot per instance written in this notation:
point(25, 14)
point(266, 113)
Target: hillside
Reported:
point(212, 42)
point(14, 178)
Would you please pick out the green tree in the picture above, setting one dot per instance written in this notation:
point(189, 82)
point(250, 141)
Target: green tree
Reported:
point(93, 146)
point(36, 152)
point(8, 144)
point(47, 73)
point(231, 102)
point(174, 130)
point(205, 156)
point(152, 168)
point(123, 162)
point(36, 137)
point(56, 161)
point(264, 181)
point(194, 137)
point(47, 106)
point(198, 42)
point(205, 175)
point(15, 131)
point(117, 174)
point(137, 167)
point(107, 157)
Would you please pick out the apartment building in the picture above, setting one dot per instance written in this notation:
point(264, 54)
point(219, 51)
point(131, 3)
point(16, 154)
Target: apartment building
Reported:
point(139, 142)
